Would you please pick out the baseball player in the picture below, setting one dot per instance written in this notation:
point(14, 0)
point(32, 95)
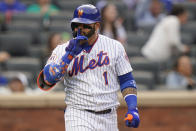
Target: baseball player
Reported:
point(94, 67)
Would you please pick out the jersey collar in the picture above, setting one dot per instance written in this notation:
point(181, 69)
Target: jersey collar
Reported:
point(88, 48)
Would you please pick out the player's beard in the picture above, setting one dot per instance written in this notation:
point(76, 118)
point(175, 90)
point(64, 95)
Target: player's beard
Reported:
point(88, 35)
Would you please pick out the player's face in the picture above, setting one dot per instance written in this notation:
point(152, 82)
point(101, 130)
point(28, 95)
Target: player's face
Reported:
point(87, 30)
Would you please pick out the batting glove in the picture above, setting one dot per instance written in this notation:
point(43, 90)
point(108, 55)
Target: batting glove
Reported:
point(132, 118)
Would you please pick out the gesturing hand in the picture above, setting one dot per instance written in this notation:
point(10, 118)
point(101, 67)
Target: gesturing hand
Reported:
point(75, 46)
point(132, 118)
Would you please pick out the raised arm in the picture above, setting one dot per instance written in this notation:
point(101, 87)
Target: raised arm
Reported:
point(52, 73)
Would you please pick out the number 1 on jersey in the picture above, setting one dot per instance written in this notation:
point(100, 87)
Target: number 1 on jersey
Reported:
point(105, 77)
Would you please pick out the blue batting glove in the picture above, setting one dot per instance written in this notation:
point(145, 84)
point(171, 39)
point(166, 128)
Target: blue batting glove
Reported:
point(74, 48)
point(132, 118)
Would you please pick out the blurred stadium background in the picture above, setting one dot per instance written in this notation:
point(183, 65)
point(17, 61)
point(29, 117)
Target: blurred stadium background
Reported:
point(26, 38)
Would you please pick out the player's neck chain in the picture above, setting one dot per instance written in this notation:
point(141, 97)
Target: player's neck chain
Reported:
point(102, 60)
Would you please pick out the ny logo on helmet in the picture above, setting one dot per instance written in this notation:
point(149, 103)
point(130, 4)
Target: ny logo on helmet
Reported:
point(80, 12)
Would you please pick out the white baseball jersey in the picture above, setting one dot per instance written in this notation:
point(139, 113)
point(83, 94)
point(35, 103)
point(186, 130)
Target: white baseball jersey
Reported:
point(91, 80)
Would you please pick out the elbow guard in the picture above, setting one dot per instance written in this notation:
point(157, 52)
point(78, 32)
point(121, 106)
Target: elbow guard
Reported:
point(42, 84)
point(52, 73)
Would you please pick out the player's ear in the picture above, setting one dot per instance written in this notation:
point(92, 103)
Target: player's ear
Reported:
point(97, 26)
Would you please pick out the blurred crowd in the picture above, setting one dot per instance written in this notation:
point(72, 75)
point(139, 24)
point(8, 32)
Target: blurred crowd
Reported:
point(158, 35)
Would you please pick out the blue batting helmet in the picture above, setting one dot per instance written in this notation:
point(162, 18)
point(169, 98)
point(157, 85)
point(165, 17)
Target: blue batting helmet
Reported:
point(86, 14)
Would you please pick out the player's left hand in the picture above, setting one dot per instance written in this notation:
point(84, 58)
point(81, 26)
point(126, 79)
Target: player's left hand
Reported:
point(132, 118)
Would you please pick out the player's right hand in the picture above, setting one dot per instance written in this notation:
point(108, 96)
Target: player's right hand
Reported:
point(132, 118)
point(75, 47)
